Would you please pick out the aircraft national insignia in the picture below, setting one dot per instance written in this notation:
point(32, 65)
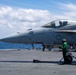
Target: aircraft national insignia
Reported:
point(58, 37)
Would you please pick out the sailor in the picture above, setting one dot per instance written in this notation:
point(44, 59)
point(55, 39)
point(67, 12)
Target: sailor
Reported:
point(64, 48)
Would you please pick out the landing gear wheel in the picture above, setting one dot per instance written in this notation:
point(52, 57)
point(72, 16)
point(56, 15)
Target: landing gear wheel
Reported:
point(69, 59)
point(43, 48)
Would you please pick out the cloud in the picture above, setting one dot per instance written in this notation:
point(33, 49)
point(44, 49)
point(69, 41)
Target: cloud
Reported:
point(66, 11)
point(68, 6)
point(18, 19)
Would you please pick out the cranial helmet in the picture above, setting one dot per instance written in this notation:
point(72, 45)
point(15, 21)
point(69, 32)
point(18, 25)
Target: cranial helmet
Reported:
point(63, 40)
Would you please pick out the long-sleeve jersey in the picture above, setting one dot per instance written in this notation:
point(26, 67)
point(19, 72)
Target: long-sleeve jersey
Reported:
point(65, 46)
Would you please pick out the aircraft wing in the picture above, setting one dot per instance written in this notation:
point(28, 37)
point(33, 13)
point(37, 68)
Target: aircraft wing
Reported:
point(66, 31)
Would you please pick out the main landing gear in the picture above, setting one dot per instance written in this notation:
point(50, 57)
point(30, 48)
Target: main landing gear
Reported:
point(69, 58)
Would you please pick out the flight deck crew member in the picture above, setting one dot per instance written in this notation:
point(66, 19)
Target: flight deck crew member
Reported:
point(64, 48)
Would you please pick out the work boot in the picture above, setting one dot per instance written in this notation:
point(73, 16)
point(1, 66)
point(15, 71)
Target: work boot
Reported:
point(64, 63)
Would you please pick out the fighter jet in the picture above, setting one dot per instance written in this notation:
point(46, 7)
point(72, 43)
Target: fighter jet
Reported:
point(48, 35)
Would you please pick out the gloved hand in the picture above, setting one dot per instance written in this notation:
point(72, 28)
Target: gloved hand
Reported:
point(59, 46)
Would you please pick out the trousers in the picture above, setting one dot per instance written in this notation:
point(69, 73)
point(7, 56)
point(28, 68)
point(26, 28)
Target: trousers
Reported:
point(64, 55)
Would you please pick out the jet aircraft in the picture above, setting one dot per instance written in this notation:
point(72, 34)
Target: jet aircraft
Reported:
point(48, 35)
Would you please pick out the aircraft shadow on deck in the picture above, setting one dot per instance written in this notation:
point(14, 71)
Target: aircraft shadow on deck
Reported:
point(38, 61)
point(34, 61)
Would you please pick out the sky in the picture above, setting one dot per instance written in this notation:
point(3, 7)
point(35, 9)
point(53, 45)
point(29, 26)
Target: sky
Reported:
point(20, 15)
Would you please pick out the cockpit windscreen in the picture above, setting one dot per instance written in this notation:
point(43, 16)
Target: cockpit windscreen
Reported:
point(56, 24)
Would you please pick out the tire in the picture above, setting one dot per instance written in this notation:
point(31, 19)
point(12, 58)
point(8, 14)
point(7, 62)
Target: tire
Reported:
point(69, 59)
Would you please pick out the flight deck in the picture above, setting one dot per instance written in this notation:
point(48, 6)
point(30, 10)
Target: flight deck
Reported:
point(20, 62)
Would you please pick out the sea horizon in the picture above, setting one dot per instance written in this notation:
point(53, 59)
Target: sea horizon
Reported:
point(4, 45)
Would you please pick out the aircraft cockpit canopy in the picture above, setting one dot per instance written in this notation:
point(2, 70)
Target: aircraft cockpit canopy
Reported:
point(56, 24)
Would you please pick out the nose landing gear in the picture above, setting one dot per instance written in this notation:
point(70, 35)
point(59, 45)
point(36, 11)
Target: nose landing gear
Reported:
point(46, 46)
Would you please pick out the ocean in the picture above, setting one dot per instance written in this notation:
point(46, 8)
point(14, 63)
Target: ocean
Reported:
point(4, 45)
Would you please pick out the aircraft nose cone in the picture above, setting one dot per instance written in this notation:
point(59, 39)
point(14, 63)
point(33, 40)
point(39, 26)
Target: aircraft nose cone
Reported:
point(9, 39)
point(17, 38)
point(4, 40)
